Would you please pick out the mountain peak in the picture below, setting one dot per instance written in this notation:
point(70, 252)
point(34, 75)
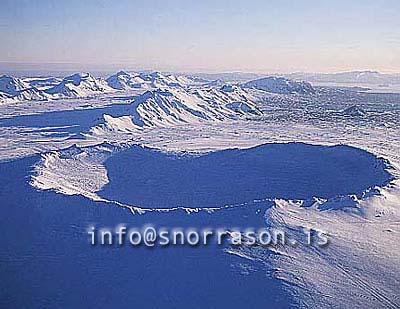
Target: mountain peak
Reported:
point(77, 78)
point(122, 73)
point(354, 110)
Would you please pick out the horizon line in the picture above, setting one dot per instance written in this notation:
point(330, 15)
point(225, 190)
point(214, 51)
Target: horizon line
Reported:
point(120, 66)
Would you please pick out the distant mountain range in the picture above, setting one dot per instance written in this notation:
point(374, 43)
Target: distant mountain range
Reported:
point(125, 81)
point(84, 85)
point(362, 77)
point(81, 85)
point(281, 85)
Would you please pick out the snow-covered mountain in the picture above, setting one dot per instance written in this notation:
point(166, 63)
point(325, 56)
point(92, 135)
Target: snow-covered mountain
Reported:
point(157, 79)
point(175, 105)
point(123, 80)
point(13, 89)
point(168, 106)
point(78, 85)
point(281, 85)
point(12, 85)
point(170, 100)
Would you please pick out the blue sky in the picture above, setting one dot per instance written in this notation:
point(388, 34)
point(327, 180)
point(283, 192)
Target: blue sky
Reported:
point(258, 36)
